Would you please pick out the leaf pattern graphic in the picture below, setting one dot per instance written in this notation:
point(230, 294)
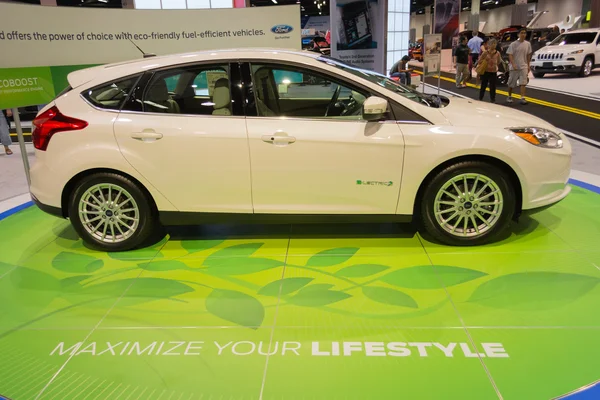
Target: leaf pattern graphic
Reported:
point(25, 292)
point(194, 246)
point(284, 286)
point(164, 265)
point(327, 258)
point(532, 291)
point(238, 250)
point(237, 307)
point(389, 296)
point(317, 297)
point(431, 276)
point(361, 270)
point(76, 263)
point(241, 266)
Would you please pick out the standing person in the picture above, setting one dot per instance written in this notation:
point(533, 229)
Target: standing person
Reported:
point(492, 57)
point(519, 54)
point(461, 60)
point(5, 131)
point(474, 49)
point(554, 34)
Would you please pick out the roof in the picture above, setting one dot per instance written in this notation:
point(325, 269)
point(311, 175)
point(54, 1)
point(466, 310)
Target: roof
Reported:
point(107, 72)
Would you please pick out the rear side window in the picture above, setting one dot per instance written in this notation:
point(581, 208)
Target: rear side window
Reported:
point(111, 96)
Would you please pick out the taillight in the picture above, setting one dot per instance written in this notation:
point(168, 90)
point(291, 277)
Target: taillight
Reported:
point(50, 122)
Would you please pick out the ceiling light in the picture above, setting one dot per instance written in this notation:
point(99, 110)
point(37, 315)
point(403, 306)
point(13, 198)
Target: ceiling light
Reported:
point(274, 1)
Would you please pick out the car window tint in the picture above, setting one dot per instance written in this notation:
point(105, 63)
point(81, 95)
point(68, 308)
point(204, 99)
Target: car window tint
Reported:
point(191, 90)
point(111, 95)
point(292, 92)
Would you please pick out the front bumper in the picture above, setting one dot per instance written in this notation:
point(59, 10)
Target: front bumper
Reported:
point(548, 176)
point(556, 66)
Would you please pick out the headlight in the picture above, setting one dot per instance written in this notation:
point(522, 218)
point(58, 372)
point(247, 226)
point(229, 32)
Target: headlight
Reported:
point(539, 137)
point(576, 52)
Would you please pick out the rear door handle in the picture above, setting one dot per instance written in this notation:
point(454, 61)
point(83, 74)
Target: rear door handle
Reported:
point(147, 135)
point(278, 139)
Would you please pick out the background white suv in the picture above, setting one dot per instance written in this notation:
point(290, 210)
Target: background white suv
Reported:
point(576, 52)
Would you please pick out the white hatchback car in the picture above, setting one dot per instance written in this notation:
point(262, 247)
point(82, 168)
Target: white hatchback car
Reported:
point(242, 135)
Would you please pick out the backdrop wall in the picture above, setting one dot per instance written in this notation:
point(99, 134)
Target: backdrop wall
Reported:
point(557, 10)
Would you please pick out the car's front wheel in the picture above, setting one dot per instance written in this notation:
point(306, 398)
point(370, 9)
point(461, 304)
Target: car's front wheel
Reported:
point(468, 203)
point(112, 213)
point(586, 67)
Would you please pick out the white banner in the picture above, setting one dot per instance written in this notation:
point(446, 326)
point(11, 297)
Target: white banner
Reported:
point(32, 35)
point(358, 31)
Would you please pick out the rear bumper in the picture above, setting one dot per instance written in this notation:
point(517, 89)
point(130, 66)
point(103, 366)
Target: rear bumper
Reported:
point(54, 211)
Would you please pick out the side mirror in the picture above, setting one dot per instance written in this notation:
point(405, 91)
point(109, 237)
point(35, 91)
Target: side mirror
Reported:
point(374, 108)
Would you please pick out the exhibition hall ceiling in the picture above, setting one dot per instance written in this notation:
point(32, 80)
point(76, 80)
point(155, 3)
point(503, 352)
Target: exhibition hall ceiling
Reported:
point(419, 6)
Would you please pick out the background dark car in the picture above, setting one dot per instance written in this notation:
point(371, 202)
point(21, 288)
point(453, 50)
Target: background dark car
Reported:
point(537, 38)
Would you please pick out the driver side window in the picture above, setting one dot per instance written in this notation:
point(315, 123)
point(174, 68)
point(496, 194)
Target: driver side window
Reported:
point(290, 92)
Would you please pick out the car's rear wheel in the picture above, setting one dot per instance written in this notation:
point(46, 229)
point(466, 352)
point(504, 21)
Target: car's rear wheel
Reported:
point(111, 213)
point(538, 74)
point(586, 67)
point(468, 203)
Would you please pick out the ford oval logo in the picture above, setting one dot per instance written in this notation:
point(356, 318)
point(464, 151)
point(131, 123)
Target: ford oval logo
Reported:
point(281, 29)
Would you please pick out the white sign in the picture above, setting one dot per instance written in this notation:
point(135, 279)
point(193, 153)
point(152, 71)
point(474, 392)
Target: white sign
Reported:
point(357, 37)
point(32, 35)
point(432, 59)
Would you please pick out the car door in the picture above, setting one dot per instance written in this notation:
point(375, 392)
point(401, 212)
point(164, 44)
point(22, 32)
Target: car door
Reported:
point(183, 133)
point(314, 154)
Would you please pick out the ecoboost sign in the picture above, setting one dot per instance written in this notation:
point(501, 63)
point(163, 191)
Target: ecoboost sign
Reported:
point(37, 56)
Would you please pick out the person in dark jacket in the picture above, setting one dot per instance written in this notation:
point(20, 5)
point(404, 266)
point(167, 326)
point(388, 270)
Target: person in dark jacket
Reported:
point(461, 61)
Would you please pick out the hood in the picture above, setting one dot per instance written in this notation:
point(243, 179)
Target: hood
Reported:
point(564, 49)
point(465, 112)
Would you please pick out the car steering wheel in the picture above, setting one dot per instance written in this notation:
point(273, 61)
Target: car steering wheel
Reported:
point(334, 99)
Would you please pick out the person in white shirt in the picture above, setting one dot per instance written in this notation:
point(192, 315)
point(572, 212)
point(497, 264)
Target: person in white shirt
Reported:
point(474, 45)
point(519, 54)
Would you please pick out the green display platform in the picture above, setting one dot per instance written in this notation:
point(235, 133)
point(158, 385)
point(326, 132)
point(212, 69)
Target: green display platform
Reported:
point(302, 312)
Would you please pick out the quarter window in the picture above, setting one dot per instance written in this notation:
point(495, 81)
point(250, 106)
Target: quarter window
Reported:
point(111, 96)
point(292, 92)
point(192, 90)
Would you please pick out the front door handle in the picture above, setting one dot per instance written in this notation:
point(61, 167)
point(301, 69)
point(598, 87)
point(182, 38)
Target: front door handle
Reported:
point(147, 135)
point(278, 139)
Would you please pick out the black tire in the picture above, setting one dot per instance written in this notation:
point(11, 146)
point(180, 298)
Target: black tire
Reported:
point(582, 71)
point(538, 74)
point(474, 237)
point(146, 213)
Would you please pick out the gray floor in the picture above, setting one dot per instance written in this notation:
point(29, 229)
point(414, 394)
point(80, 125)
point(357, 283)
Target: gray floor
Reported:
point(12, 177)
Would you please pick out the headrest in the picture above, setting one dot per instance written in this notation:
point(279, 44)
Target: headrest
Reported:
point(221, 94)
point(158, 92)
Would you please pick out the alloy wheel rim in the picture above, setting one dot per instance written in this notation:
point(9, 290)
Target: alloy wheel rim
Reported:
point(588, 67)
point(109, 213)
point(468, 205)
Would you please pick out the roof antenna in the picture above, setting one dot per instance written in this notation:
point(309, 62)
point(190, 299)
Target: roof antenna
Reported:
point(146, 55)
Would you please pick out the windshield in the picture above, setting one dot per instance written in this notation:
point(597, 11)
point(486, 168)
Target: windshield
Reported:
point(574, 38)
point(380, 80)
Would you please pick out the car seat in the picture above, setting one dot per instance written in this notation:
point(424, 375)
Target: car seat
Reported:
point(222, 97)
point(158, 100)
point(267, 95)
